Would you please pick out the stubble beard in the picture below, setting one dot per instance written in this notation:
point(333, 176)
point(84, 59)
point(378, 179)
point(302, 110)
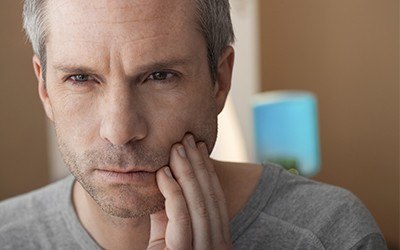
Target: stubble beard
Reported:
point(120, 200)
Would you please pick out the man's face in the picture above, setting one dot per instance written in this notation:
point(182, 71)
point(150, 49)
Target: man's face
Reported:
point(125, 81)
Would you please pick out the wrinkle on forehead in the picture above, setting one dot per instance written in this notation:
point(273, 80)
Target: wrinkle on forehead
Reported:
point(119, 11)
point(119, 15)
point(143, 18)
point(127, 41)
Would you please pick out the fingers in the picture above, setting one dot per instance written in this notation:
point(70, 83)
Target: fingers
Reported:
point(187, 179)
point(174, 222)
point(198, 171)
point(219, 194)
point(202, 169)
point(195, 209)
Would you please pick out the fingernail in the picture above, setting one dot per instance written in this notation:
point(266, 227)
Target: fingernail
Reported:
point(181, 151)
point(191, 141)
point(203, 147)
point(168, 172)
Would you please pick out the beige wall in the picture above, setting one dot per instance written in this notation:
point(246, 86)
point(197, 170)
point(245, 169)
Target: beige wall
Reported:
point(23, 162)
point(347, 52)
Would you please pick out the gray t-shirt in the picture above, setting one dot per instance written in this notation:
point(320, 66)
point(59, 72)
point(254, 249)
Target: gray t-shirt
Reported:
point(284, 212)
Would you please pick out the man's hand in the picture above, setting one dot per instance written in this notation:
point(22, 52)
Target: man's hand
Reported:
point(195, 215)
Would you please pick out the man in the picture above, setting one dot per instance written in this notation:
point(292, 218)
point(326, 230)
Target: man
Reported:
point(133, 88)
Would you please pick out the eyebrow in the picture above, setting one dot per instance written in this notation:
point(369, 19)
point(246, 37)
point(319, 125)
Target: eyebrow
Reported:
point(73, 68)
point(174, 62)
point(166, 64)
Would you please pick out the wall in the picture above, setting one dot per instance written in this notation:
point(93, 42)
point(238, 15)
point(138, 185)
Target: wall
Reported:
point(347, 52)
point(246, 74)
point(22, 124)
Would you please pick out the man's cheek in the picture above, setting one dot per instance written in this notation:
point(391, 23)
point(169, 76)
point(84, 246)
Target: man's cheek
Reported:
point(205, 131)
point(80, 135)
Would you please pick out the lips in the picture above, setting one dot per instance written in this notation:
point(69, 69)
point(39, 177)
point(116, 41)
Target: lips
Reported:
point(124, 171)
point(126, 175)
point(127, 170)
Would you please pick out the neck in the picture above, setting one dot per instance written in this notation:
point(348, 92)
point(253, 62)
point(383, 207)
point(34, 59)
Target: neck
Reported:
point(109, 231)
point(237, 190)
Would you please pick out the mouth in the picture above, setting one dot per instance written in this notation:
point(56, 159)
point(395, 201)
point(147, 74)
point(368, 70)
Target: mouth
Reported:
point(126, 175)
point(127, 170)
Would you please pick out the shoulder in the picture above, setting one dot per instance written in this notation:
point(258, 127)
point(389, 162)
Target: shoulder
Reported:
point(32, 213)
point(33, 204)
point(335, 216)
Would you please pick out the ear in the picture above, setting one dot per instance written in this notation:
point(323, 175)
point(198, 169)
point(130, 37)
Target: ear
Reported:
point(44, 97)
point(224, 77)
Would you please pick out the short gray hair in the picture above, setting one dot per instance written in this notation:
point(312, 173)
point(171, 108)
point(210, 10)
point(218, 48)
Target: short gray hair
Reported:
point(35, 25)
point(213, 18)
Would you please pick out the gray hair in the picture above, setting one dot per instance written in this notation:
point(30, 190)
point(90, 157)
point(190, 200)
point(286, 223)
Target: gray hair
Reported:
point(213, 18)
point(35, 25)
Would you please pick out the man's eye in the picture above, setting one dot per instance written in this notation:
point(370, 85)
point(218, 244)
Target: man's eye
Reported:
point(161, 76)
point(80, 78)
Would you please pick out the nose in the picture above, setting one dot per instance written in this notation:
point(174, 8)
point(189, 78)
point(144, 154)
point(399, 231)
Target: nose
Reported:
point(123, 119)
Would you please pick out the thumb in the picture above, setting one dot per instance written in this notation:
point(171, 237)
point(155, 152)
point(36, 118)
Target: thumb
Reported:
point(158, 224)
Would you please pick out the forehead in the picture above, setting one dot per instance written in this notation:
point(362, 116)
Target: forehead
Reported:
point(141, 15)
point(97, 24)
